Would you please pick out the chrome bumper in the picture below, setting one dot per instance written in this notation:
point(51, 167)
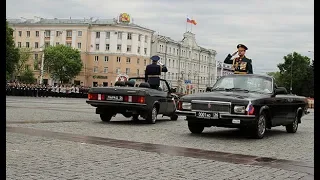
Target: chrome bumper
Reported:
point(221, 115)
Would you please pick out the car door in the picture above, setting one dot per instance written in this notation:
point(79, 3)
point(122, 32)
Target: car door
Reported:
point(281, 109)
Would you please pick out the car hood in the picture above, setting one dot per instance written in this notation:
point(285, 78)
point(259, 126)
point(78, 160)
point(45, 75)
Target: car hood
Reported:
point(228, 96)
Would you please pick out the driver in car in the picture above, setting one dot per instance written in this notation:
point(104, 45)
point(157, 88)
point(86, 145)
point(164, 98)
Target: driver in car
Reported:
point(153, 72)
point(266, 87)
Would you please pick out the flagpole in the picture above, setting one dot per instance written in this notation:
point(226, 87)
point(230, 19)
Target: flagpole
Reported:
point(187, 24)
point(191, 24)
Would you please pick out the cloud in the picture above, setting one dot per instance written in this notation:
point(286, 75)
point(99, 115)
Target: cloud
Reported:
point(271, 29)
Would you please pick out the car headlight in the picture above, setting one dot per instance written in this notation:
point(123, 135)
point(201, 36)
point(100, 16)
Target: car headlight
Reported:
point(186, 105)
point(239, 109)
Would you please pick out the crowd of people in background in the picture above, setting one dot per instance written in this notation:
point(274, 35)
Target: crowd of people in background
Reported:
point(37, 90)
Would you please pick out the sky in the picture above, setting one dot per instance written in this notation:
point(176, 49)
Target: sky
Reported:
point(270, 29)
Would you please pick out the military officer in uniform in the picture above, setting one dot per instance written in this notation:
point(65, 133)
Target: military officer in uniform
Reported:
point(153, 72)
point(241, 64)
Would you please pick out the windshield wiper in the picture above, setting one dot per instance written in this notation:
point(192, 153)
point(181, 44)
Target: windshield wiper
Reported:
point(236, 89)
point(218, 89)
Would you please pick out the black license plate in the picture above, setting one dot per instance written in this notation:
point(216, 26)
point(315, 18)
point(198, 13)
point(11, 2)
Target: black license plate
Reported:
point(207, 115)
point(114, 98)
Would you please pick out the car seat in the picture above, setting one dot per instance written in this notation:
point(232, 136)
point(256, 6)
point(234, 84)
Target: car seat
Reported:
point(144, 85)
point(119, 83)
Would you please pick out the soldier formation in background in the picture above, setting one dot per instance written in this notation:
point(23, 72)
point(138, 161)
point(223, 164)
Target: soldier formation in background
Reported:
point(36, 90)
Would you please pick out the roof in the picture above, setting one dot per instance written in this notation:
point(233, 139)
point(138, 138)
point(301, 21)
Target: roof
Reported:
point(85, 22)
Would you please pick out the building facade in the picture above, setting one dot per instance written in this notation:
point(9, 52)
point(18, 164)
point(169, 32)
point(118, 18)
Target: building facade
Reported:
point(191, 68)
point(110, 48)
point(223, 69)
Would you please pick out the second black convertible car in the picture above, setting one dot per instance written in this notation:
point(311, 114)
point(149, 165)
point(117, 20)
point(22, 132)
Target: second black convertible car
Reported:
point(134, 98)
point(252, 102)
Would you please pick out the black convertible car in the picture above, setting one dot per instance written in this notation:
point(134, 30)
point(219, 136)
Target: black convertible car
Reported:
point(250, 102)
point(133, 98)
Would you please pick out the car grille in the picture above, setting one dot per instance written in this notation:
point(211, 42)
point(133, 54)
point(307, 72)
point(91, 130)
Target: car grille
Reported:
point(214, 106)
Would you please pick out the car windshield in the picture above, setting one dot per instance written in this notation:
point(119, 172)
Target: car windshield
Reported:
point(257, 84)
point(138, 80)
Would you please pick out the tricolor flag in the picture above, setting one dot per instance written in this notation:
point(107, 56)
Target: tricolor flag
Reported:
point(191, 21)
point(250, 108)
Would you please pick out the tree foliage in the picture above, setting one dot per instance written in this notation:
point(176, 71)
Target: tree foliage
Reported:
point(301, 74)
point(12, 53)
point(25, 54)
point(27, 76)
point(63, 61)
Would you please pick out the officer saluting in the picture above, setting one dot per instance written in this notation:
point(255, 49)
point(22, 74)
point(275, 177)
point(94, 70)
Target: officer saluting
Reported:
point(153, 72)
point(241, 64)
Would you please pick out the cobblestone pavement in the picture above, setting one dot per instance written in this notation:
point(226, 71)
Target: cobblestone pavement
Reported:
point(55, 159)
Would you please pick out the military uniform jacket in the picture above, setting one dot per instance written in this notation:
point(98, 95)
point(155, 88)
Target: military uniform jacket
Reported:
point(240, 66)
point(152, 71)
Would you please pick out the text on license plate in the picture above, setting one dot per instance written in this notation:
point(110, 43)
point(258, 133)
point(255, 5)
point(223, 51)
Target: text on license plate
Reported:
point(207, 115)
point(115, 98)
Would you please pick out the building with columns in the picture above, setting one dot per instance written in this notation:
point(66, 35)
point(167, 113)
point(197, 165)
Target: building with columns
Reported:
point(191, 68)
point(110, 48)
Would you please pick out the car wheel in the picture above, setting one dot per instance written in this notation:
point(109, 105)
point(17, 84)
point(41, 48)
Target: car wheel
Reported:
point(195, 128)
point(152, 115)
point(260, 127)
point(292, 128)
point(135, 117)
point(105, 117)
point(174, 117)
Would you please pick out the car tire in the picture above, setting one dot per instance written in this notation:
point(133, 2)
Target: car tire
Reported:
point(152, 115)
point(195, 128)
point(259, 129)
point(105, 117)
point(135, 117)
point(293, 127)
point(174, 117)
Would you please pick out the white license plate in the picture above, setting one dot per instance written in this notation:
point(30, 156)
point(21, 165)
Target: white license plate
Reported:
point(206, 115)
point(115, 98)
point(235, 121)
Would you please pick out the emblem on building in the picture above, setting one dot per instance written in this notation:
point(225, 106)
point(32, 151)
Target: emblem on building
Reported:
point(124, 18)
point(122, 77)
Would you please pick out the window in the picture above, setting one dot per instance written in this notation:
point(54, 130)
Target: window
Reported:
point(119, 35)
point(58, 33)
point(97, 34)
point(57, 43)
point(118, 59)
point(37, 33)
point(107, 35)
point(97, 46)
point(138, 49)
point(106, 58)
point(138, 61)
point(47, 44)
point(145, 50)
point(173, 63)
point(95, 69)
point(145, 62)
point(36, 56)
point(105, 70)
point(28, 33)
point(69, 44)
point(47, 33)
point(128, 48)
point(145, 38)
point(36, 45)
point(20, 33)
point(128, 60)
point(119, 47)
point(79, 33)
point(96, 58)
point(139, 37)
point(127, 70)
point(129, 36)
point(138, 72)
point(79, 45)
point(69, 33)
point(118, 70)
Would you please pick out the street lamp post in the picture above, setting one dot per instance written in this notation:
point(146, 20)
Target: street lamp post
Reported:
point(291, 78)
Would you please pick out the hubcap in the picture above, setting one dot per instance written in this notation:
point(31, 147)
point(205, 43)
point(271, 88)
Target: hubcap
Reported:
point(262, 125)
point(154, 114)
point(295, 123)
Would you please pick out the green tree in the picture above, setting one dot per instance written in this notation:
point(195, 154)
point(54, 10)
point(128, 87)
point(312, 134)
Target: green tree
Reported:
point(300, 66)
point(27, 76)
point(12, 53)
point(25, 54)
point(63, 61)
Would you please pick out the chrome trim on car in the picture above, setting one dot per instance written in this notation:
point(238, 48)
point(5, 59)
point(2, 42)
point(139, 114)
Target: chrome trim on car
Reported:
point(113, 102)
point(214, 102)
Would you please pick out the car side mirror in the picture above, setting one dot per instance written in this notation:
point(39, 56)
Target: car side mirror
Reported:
point(280, 90)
